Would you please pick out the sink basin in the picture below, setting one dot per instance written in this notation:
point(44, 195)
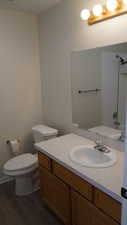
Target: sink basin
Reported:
point(88, 156)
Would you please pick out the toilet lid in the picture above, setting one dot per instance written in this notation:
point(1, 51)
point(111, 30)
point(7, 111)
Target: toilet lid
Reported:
point(21, 162)
point(45, 131)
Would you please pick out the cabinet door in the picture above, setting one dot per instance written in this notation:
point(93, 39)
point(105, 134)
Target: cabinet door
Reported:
point(99, 218)
point(44, 161)
point(108, 205)
point(81, 210)
point(56, 194)
point(85, 213)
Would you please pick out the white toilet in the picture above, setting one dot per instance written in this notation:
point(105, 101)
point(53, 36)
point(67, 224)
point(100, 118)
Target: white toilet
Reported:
point(25, 166)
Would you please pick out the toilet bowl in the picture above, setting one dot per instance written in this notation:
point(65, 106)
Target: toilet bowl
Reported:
point(24, 168)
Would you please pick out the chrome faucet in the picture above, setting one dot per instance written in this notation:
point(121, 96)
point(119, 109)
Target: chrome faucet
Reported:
point(99, 145)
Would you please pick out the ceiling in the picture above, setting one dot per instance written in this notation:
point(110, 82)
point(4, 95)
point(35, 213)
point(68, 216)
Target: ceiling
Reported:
point(34, 6)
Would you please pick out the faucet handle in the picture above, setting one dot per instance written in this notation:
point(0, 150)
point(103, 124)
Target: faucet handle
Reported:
point(99, 144)
point(98, 139)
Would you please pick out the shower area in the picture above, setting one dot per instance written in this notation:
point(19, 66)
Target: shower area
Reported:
point(114, 75)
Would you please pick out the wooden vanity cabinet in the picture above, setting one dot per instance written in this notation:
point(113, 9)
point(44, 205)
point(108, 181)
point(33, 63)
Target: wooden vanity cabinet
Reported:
point(85, 213)
point(74, 200)
point(56, 195)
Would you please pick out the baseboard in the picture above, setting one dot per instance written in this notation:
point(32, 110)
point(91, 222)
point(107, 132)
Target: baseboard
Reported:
point(5, 179)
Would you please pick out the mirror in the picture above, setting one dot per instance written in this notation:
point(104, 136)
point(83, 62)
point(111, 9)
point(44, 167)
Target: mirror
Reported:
point(98, 78)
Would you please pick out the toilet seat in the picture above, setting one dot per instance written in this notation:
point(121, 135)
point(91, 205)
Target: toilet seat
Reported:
point(22, 164)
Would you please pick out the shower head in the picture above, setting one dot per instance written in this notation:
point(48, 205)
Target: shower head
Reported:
point(120, 58)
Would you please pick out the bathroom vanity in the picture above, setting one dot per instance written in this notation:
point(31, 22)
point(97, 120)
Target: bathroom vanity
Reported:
point(76, 194)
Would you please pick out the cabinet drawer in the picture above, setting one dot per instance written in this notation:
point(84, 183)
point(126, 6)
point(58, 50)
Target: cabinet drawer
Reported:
point(44, 161)
point(107, 204)
point(73, 180)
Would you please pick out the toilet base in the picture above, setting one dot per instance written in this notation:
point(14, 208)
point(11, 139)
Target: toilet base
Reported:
point(26, 184)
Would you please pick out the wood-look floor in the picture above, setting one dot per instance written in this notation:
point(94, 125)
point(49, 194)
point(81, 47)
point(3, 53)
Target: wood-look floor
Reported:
point(23, 210)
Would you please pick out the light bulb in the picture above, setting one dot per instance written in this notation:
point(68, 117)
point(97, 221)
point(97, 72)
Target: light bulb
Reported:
point(85, 14)
point(125, 2)
point(97, 10)
point(111, 5)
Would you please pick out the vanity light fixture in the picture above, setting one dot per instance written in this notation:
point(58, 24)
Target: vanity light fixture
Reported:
point(111, 5)
point(85, 14)
point(125, 2)
point(97, 10)
point(110, 9)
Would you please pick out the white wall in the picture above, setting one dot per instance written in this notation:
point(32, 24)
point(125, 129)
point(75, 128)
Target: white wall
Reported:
point(20, 89)
point(61, 32)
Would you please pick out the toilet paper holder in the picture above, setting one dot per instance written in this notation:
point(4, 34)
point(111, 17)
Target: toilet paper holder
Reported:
point(14, 146)
point(8, 141)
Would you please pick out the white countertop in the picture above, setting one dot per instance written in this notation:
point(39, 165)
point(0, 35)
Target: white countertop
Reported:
point(109, 180)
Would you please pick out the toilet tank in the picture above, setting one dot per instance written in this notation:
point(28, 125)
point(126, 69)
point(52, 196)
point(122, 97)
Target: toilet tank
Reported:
point(42, 133)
